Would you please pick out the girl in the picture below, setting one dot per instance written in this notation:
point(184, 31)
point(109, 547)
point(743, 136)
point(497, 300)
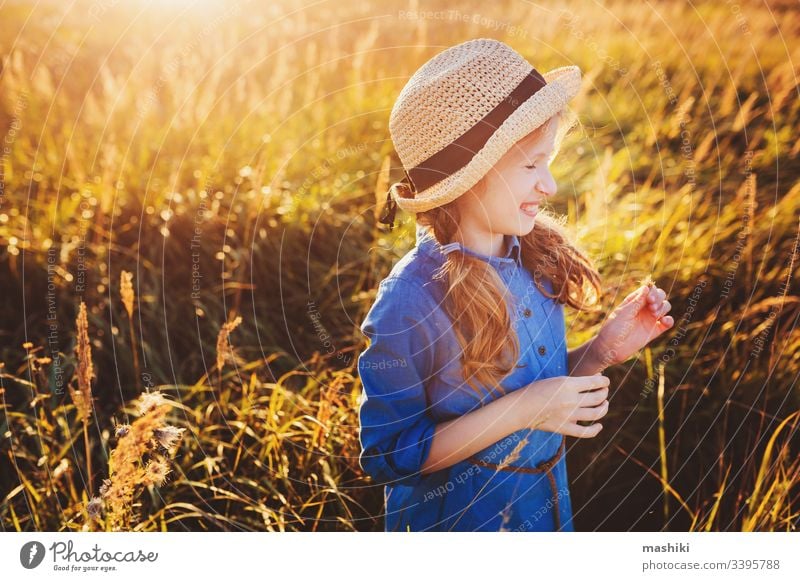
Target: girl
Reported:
point(469, 390)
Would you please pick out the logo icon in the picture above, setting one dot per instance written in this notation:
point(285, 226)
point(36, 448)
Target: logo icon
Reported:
point(31, 554)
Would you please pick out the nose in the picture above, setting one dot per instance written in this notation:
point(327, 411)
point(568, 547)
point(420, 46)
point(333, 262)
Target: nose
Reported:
point(546, 185)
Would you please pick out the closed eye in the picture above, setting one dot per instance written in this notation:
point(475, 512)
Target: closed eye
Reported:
point(535, 158)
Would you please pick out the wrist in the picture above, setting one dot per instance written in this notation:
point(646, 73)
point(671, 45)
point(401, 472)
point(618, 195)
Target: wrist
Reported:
point(600, 355)
point(590, 358)
point(523, 417)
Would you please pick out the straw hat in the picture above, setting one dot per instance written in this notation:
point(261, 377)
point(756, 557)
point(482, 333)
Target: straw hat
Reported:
point(461, 112)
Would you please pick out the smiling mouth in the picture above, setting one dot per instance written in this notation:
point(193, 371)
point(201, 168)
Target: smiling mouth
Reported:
point(529, 209)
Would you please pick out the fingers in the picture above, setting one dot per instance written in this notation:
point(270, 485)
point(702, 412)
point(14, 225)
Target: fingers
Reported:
point(593, 398)
point(637, 294)
point(660, 309)
point(656, 299)
point(582, 431)
point(656, 295)
point(589, 382)
point(590, 414)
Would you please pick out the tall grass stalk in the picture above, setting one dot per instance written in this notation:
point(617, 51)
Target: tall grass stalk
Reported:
point(662, 438)
point(224, 351)
point(128, 296)
point(82, 397)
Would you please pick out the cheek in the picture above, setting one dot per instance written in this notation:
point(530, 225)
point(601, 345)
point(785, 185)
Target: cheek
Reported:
point(518, 189)
point(502, 197)
point(510, 189)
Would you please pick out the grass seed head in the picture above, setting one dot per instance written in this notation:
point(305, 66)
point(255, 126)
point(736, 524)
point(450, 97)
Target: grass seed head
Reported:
point(83, 395)
point(168, 436)
point(126, 291)
point(224, 350)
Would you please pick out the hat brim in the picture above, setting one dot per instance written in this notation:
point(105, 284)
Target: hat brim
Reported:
point(563, 84)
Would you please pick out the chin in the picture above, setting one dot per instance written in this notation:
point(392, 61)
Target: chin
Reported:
point(524, 229)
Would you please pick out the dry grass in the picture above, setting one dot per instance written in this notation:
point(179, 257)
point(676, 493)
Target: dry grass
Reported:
point(140, 459)
point(82, 397)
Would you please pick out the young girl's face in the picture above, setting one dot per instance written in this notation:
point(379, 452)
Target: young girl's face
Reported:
point(507, 202)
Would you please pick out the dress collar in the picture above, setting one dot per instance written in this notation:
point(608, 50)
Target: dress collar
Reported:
point(427, 243)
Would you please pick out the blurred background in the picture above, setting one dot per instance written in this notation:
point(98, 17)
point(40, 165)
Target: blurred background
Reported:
point(188, 209)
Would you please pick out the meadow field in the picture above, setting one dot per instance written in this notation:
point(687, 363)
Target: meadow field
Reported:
point(189, 194)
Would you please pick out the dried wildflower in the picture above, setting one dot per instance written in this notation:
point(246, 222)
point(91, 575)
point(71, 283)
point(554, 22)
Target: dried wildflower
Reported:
point(168, 436)
point(95, 507)
point(135, 462)
point(224, 350)
point(139, 460)
point(156, 471)
point(150, 400)
point(126, 291)
point(27, 345)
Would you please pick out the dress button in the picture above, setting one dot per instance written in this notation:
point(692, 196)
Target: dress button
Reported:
point(527, 312)
point(542, 349)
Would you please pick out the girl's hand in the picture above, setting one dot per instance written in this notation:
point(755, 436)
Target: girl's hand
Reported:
point(557, 404)
point(639, 319)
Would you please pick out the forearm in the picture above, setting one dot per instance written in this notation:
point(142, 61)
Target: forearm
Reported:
point(460, 438)
point(587, 360)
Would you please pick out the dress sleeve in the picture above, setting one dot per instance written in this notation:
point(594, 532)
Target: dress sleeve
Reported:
point(396, 429)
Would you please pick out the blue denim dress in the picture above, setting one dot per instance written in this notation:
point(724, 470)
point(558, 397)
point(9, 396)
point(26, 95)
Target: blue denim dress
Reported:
point(412, 379)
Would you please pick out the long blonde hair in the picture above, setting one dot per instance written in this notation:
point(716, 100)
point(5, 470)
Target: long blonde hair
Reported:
point(475, 296)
